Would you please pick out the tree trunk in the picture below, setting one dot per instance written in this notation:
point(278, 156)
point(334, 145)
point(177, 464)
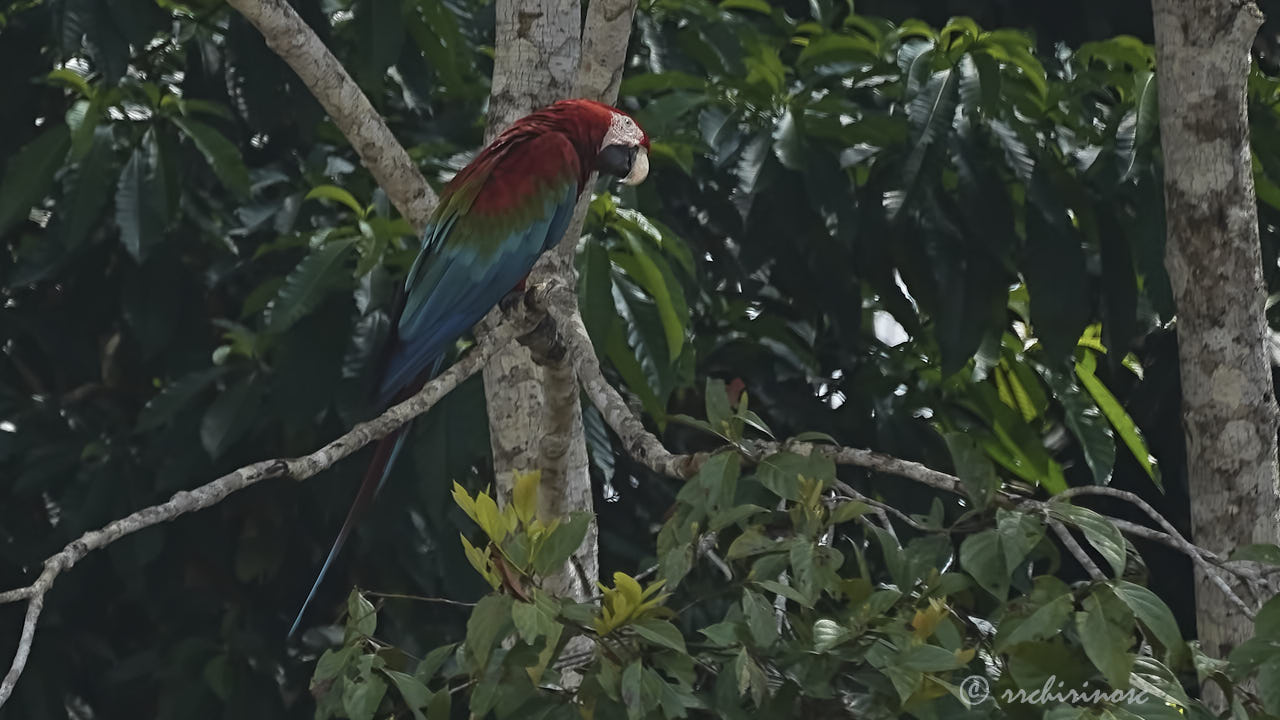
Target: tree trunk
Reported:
point(1215, 264)
point(535, 417)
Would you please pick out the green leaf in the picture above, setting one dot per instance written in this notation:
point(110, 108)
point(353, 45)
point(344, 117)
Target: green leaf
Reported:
point(759, 6)
point(441, 705)
point(781, 472)
point(827, 634)
point(974, 468)
point(488, 623)
point(231, 416)
point(222, 155)
point(535, 619)
point(846, 511)
point(761, 621)
point(660, 632)
point(360, 700)
point(1101, 534)
point(29, 174)
point(716, 399)
point(434, 28)
point(1269, 685)
point(832, 48)
point(1155, 616)
point(434, 660)
point(175, 397)
point(1054, 267)
point(786, 591)
point(333, 663)
point(84, 117)
point(71, 79)
point(788, 143)
point(412, 690)
point(716, 483)
point(1086, 422)
point(140, 198)
point(561, 543)
point(1262, 553)
point(1019, 533)
point(815, 437)
point(308, 283)
point(1047, 621)
point(750, 543)
point(337, 194)
point(650, 270)
point(632, 697)
point(382, 29)
point(734, 515)
point(1106, 632)
point(362, 617)
point(1119, 419)
point(524, 496)
point(982, 557)
point(595, 292)
point(78, 211)
point(1139, 124)
point(930, 115)
point(928, 658)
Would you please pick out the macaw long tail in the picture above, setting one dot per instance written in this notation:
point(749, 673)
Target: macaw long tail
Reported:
point(384, 458)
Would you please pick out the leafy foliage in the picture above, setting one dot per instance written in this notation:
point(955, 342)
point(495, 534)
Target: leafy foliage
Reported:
point(821, 611)
point(940, 242)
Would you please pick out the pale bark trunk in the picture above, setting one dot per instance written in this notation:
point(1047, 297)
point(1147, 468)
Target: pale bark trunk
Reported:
point(535, 417)
point(1215, 265)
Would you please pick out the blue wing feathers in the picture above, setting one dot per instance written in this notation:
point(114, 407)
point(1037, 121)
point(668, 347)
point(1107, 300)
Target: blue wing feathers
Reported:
point(462, 270)
point(448, 293)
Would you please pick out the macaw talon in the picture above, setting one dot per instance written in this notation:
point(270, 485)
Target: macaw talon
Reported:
point(544, 342)
point(512, 300)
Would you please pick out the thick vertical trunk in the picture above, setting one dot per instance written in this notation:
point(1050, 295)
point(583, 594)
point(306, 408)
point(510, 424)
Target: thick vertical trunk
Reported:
point(535, 419)
point(1215, 265)
point(535, 416)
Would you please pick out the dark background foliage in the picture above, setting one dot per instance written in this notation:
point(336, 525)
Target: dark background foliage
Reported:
point(208, 279)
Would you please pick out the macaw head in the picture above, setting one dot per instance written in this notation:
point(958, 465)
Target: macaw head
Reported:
point(608, 137)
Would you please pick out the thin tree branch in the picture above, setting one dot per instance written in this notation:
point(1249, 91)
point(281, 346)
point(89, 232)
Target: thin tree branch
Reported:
point(1076, 551)
point(847, 490)
point(294, 41)
point(300, 468)
point(647, 449)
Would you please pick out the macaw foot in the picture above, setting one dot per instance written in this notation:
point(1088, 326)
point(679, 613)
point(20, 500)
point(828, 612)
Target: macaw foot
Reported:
point(512, 300)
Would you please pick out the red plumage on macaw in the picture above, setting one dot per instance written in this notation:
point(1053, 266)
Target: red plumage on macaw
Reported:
point(495, 218)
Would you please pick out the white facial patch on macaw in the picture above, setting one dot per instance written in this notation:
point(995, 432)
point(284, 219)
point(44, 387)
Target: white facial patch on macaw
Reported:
point(624, 131)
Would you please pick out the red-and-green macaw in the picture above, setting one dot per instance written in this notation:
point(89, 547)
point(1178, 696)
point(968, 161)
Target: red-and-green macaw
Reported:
point(494, 219)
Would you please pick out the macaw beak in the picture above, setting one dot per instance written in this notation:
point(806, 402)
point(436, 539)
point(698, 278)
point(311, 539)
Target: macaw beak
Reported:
point(639, 168)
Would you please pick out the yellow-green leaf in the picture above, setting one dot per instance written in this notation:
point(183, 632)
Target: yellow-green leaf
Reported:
point(337, 194)
point(525, 495)
point(1115, 413)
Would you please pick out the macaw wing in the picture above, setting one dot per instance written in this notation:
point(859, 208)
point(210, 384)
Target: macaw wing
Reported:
point(481, 242)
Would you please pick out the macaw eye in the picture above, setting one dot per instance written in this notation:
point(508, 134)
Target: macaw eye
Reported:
point(616, 160)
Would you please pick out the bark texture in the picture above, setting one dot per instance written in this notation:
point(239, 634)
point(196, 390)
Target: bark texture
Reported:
point(543, 54)
point(292, 39)
point(535, 420)
point(1215, 264)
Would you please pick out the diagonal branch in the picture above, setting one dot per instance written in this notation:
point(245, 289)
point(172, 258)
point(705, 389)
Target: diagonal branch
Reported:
point(297, 44)
point(214, 492)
